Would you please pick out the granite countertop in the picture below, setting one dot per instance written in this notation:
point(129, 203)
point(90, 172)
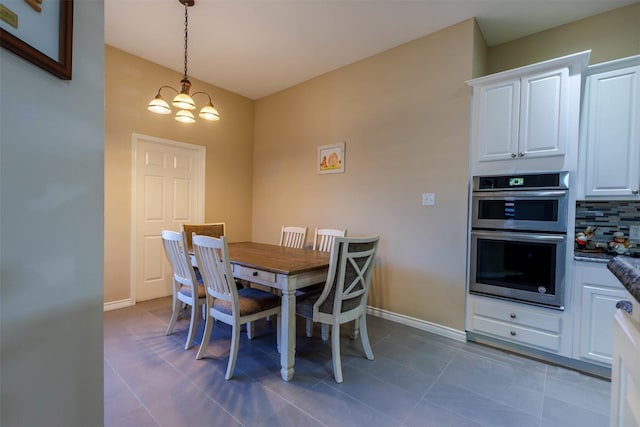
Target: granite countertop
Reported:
point(601, 257)
point(627, 270)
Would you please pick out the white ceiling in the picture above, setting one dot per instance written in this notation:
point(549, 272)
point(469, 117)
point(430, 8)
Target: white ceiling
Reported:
point(259, 47)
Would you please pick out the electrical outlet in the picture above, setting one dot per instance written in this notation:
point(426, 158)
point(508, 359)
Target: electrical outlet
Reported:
point(428, 199)
point(634, 233)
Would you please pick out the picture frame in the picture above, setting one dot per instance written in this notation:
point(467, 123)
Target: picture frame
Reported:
point(40, 32)
point(331, 158)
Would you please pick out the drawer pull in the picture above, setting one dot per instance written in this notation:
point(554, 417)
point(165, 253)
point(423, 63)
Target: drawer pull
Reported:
point(255, 273)
point(512, 315)
point(513, 333)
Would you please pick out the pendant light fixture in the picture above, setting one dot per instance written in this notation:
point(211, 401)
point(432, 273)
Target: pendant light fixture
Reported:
point(183, 101)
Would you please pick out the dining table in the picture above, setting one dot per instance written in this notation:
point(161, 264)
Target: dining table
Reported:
point(285, 269)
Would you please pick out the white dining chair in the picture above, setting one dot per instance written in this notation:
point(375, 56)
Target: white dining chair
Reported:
point(293, 237)
point(344, 297)
point(224, 301)
point(323, 239)
point(184, 282)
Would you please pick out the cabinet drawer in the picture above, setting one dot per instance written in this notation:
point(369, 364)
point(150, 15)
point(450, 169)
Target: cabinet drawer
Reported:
point(518, 334)
point(253, 275)
point(517, 316)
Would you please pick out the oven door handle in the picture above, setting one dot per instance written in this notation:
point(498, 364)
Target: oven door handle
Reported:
point(515, 236)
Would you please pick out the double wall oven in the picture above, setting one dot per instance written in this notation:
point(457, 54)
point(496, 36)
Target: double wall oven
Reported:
point(519, 237)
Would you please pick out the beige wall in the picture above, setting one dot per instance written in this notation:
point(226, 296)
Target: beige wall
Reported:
point(480, 52)
point(130, 83)
point(404, 115)
point(610, 35)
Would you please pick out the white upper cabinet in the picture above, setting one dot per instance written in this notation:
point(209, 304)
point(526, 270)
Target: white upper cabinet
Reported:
point(543, 114)
point(524, 118)
point(498, 111)
point(610, 134)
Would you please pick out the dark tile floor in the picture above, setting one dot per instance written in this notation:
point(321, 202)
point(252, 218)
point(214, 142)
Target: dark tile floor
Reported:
point(416, 379)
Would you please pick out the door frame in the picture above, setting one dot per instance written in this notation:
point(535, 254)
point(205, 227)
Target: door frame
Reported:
point(199, 151)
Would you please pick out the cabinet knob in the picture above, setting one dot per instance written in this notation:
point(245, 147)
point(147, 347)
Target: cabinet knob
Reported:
point(634, 191)
point(521, 154)
point(513, 155)
point(255, 273)
point(512, 315)
point(513, 333)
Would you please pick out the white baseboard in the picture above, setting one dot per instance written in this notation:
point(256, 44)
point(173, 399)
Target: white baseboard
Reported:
point(423, 325)
point(114, 305)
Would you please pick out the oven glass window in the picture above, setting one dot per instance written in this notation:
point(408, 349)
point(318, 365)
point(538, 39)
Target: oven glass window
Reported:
point(526, 266)
point(521, 210)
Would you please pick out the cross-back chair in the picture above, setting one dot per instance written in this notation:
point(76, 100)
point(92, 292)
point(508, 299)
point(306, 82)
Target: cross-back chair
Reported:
point(344, 297)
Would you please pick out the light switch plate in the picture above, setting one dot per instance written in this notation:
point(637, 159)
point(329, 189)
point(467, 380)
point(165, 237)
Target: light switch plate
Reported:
point(634, 233)
point(428, 199)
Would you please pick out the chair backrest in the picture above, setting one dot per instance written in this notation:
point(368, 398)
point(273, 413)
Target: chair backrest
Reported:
point(350, 269)
point(174, 244)
point(323, 238)
point(293, 237)
point(214, 229)
point(212, 256)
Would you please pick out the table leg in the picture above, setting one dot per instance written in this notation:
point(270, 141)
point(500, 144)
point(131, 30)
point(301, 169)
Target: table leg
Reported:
point(288, 334)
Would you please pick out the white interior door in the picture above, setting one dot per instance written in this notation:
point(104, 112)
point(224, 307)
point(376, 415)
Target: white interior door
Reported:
point(168, 183)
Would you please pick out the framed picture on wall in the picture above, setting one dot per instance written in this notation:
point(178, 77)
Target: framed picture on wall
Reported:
point(39, 31)
point(331, 158)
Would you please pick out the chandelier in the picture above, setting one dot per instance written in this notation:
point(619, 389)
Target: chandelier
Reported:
point(183, 101)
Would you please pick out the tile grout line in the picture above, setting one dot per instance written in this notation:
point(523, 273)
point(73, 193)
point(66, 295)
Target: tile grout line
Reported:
point(132, 392)
point(176, 369)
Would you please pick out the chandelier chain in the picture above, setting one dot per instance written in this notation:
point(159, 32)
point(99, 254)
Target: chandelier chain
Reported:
point(186, 38)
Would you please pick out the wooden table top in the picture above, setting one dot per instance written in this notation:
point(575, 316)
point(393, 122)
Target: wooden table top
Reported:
point(277, 259)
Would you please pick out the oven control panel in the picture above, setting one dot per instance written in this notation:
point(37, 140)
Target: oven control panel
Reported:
point(556, 180)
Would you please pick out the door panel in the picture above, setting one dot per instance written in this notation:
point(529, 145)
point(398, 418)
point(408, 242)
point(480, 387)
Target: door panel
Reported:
point(181, 202)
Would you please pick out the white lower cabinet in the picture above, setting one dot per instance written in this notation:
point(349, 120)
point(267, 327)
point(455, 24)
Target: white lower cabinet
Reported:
point(625, 373)
point(596, 292)
point(521, 324)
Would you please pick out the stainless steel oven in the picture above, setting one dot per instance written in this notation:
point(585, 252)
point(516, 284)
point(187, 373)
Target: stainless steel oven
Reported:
point(522, 202)
point(529, 267)
point(519, 237)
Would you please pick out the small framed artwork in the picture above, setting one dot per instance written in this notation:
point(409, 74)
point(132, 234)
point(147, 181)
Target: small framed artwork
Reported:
point(40, 32)
point(331, 158)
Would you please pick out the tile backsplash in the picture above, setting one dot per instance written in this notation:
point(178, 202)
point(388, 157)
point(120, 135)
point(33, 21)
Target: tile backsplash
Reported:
point(609, 217)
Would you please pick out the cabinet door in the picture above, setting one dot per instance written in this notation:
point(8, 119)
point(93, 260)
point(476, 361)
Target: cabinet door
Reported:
point(497, 107)
point(612, 135)
point(544, 114)
point(598, 310)
point(625, 373)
